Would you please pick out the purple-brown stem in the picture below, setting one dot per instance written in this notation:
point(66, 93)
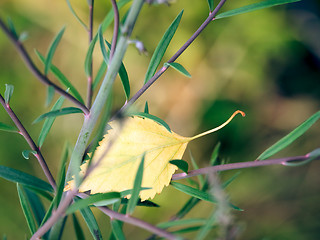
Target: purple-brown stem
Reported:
point(30, 141)
point(90, 32)
point(231, 166)
point(32, 67)
point(155, 77)
point(115, 28)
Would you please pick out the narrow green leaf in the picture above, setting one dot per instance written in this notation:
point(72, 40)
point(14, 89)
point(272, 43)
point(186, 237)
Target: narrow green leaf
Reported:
point(50, 95)
point(154, 118)
point(61, 78)
point(253, 7)
point(52, 50)
point(109, 18)
point(181, 222)
point(16, 176)
point(26, 209)
point(7, 128)
point(26, 153)
point(60, 112)
point(117, 230)
point(123, 75)
point(146, 108)
point(61, 175)
point(99, 199)
point(179, 68)
point(100, 74)
point(43, 193)
point(8, 93)
point(215, 154)
point(291, 137)
point(128, 192)
point(77, 228)
point(187, 230)
point(76, 16)
point(162, 47)
point(48, 213)
point(88, 59)
point(12, 28)
point(211, 5)
point(181, 164)
point(193, 192)
point(91, 222)
point(136, 188)
point(146, 203)
point(103, 49)
point(49, 122)
point(4, 237)
point(36, 206)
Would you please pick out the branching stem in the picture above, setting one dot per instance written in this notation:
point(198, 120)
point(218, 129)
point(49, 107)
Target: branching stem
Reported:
point(30, 141)
point(32, 67)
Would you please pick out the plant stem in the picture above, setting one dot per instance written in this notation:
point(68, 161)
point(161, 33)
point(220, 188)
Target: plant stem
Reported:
point(32, 67)
point(231, 166)
point(90, 33)
point(30, 141)
point(56, 215)
point(115, 28)
point(104, 92)
point(155, 77)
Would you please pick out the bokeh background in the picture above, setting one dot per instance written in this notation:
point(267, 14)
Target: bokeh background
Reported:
point(266, 63)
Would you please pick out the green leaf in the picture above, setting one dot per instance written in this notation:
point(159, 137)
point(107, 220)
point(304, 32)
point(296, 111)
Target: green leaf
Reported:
point(26, 153)
point(181, 222)
point(12, 28)
point(181, 164)
point(291, 137)
point(146, 108)
point(179, 68)
point(36, 206)
point(52, 50)
point(48, 213)
point(117, 230)
point(50, 95)
point(76, 16)
point(60, 112)
point(88, 60)
point(205, 229)
point(211, 5)
point(146, 203)
point(8, 93)
point(103, 49)
point(77, 228)
point(136, 188)
point(253, 7)
point(61, 78)
point(215, 154)
point(61, 175)
point(100, 74)
point(7, 128)
point(91, 222)
point(44, 194)
point(230, 180)
point(26, 209)
point(162, 47)
point(193, 192)
point(49, 122)
point(99, 199)
point(195, 166)
point(154, 118)
point(24, 178)
point(109, 18)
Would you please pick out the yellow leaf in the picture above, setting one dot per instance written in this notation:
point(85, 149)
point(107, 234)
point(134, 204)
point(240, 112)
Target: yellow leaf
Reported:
point(117, 164)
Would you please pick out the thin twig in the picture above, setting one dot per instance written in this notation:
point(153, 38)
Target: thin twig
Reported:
point(156, 76)
point(90, 32)
point(115, 28)
point(56, 215)
point(231, 166)
point(30, 141)
point(32, 67)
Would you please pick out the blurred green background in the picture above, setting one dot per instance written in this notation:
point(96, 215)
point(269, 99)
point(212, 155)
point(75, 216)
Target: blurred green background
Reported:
point(266, 63)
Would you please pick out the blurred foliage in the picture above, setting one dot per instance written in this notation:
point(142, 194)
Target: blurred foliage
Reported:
point(266, 63)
